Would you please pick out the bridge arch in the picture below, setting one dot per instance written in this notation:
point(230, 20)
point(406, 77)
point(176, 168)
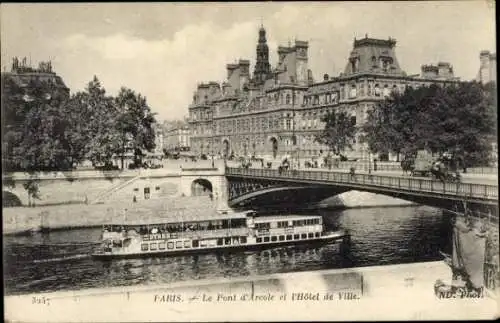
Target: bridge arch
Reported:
point(201, 187)
point(10, 199)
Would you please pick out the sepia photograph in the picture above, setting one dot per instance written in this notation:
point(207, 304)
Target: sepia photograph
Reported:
point(249, 161)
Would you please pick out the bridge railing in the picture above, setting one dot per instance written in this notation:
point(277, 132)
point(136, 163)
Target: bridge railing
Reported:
point(368, 180)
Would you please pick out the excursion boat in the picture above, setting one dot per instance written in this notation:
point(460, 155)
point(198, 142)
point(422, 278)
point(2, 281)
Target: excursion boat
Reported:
point(220, 232)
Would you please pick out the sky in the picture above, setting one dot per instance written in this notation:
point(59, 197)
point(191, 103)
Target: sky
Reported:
point(163, 50)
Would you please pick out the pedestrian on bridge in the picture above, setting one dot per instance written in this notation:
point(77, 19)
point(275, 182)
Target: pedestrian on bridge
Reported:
point(352, 172)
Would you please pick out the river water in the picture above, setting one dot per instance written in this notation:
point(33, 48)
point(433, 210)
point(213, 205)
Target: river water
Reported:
point(379, 236)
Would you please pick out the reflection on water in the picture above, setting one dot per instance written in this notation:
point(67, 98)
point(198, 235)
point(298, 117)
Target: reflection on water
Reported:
point(60, 261)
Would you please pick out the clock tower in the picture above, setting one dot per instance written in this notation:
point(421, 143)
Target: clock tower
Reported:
point(262, 67)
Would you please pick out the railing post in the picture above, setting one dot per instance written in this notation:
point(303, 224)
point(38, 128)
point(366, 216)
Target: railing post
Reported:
point(420, 184)
point(399, 182)
point(485, 190)
point(470, 190)
point(432, 185)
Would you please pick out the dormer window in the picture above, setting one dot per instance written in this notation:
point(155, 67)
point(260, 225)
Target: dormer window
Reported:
point(386, 92)
point(354, 64)
point(353, 93)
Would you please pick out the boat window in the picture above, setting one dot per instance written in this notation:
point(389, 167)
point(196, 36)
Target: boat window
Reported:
point(303, 236)
point(170, 245)
point(161, 246)
point(274, 238)
point(144, 247)
point(238, 223)
point(282, 238)
point(317, 234)
point(178, 245)
point(243, 239)
point(195, 244)
point(266, 239)
point(296, 236)
point(311, 235)
point(227, 241)
point(187, 244)
point(289, 237)
point(219, 242)
point(282, 224)
point(259, 240)
point(265, 225)
point(147, 193)
point(153, 246)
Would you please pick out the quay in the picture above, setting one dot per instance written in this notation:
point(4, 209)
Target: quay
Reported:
point(391, 292)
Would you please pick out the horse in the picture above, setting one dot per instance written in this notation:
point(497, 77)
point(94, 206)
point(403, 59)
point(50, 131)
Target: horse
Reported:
point(407, 165)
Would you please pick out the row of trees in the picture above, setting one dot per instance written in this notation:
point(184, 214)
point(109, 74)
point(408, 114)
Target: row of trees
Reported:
point(45, 129)
point(461, 117)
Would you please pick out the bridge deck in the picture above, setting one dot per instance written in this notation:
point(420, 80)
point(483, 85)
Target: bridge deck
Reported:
point(467, 191)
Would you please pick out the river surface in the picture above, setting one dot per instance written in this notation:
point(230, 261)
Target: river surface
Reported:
point(379, 236)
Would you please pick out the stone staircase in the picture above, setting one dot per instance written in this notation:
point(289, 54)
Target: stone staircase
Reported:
point(114, 189)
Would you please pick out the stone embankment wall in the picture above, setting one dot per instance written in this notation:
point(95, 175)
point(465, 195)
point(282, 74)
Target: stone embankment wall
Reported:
point(24, 219)
point(395, 292)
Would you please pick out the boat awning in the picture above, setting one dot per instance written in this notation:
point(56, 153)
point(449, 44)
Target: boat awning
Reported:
point(176, 216)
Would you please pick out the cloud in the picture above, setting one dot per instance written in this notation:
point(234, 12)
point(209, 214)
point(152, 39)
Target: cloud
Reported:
point(167, 68)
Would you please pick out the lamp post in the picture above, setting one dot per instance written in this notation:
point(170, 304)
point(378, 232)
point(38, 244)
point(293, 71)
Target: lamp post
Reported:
point(369, 153)
point(369, 161)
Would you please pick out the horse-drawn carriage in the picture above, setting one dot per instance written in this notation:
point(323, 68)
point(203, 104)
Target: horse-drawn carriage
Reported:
point(245, 162)
point(424, 164)
point(285, 165)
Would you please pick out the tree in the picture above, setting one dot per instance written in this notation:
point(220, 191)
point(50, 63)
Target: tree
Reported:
point(459, 117)
point(35, 125)
point(339, 132)
point(466, 121)
point(100, 114)
point(134, 124)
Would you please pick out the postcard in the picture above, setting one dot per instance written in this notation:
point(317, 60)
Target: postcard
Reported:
point(263, 161)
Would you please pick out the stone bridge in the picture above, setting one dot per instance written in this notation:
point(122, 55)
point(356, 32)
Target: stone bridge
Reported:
point(256, 187)
point(93, 187)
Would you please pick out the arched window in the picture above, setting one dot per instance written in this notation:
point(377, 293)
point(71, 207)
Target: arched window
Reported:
point(287, 100)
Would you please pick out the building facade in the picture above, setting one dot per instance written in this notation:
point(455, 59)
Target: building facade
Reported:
point(177, 139)
point(488, 67)
point(277, 112)
point(28, 79)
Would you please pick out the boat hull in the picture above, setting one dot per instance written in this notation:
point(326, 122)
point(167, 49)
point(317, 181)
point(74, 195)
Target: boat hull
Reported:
point(333, 239)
